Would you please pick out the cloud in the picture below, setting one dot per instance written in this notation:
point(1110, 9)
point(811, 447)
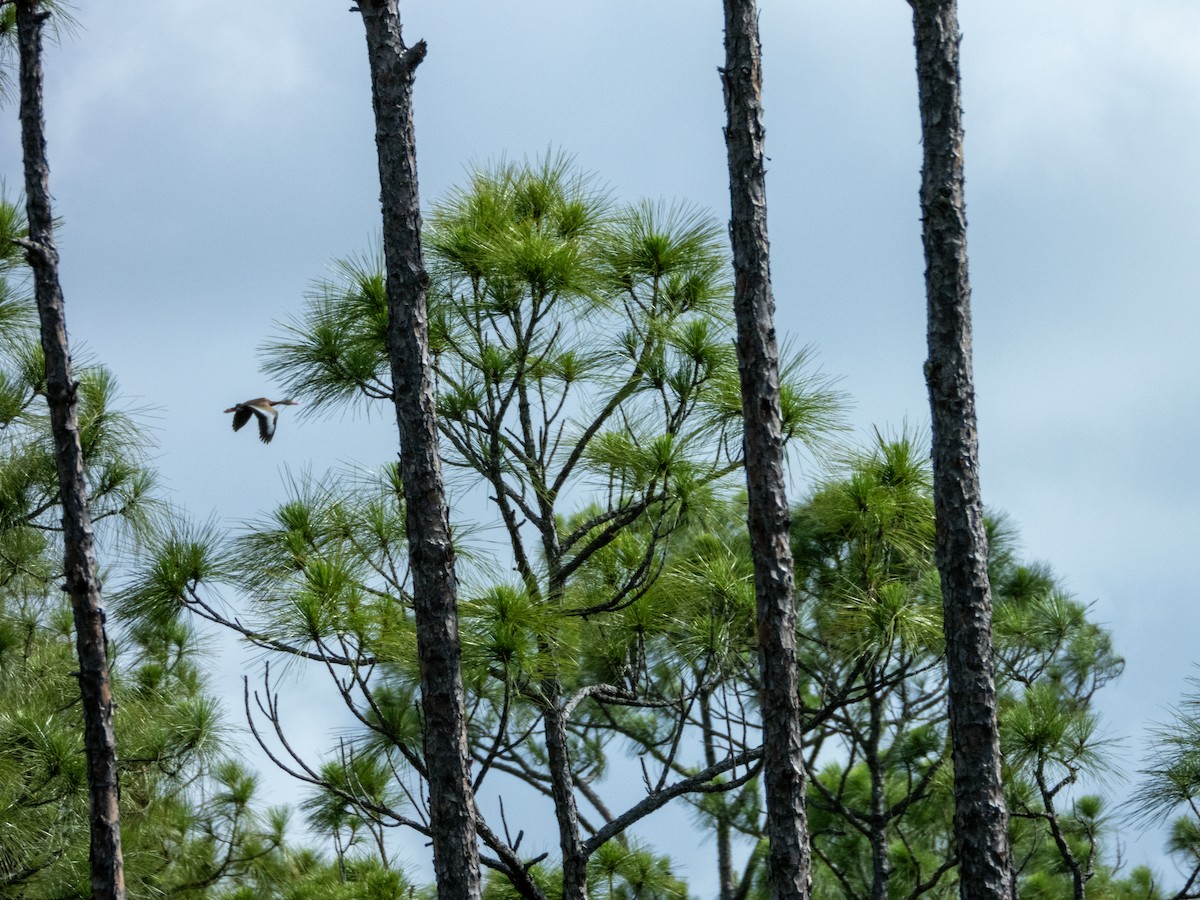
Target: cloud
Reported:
point(182, 64)
point(1082, 78)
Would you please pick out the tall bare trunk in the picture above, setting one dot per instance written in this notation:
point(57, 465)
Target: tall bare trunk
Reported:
point(81, 580)
point(431, 554)
point(758, 362)
point(980, 819)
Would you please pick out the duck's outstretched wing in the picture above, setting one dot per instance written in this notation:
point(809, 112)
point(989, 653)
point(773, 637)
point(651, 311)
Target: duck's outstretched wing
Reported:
point(241, 415)
point(266, 423)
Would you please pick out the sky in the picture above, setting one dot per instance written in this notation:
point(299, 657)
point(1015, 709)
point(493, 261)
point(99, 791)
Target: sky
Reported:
point(209, 161)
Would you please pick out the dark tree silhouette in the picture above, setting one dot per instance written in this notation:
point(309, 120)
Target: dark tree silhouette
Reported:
point(431, 554)
point(81, 580)
point(981, 818)
point(788, 862)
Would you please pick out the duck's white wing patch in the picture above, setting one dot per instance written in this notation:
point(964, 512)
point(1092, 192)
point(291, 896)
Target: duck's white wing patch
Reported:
point(266, 423)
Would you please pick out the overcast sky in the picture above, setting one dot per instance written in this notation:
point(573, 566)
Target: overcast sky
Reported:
point(208, 160)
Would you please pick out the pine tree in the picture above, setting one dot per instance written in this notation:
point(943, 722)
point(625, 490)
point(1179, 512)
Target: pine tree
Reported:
point(431, 552)
point(981, 819)
point(789, 864)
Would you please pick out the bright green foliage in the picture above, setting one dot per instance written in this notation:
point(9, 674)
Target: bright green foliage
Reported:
point(301, 875)
point(187, 816)
point(880, 800)
point(580, 347)
point(863, 544)
point(625, 871)
point(616, 871)
point(547, 879)
point(326, 579)
point(190, 820)
point(866, 541)
point(1050, 660)
point(587, 380)
point(1170, 785)
point(1043, 634)
point(119, 484)
point(353, 788)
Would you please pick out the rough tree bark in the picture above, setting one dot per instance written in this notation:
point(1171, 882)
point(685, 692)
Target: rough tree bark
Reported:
point(562, 782)
point(725, 879)
point(980, 819)
point(80, 572)
point(431, 554)
point(758, 362)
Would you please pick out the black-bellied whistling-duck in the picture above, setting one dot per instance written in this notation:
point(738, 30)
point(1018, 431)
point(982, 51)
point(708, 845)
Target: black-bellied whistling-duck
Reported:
point(264, 410)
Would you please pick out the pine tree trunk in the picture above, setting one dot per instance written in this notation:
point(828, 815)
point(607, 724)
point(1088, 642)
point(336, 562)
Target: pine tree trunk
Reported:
point(558, 750)
point(431, 554)
point(81, 580)
point(725, 878)
point(758, 362)
point(980, 820)
point(566, 812)
point(881, 863)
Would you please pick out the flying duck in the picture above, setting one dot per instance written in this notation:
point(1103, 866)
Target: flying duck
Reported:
point(264, 410)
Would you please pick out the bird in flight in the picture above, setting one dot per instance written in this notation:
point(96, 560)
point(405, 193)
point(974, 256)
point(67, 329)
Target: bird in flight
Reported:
point(262, 409)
